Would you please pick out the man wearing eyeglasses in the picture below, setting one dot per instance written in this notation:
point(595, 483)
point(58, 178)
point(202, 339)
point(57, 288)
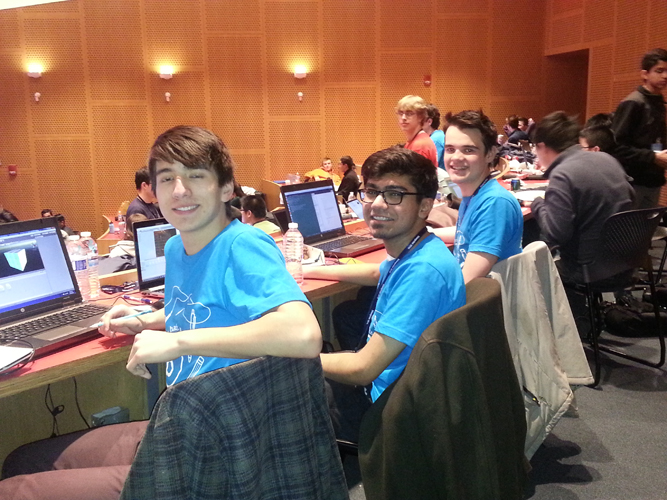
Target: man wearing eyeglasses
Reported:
point(490, 223)
point(412, 113)
point(419, 282)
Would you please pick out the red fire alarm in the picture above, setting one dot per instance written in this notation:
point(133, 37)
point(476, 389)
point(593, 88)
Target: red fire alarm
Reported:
point(11, 169)
point(427, 80)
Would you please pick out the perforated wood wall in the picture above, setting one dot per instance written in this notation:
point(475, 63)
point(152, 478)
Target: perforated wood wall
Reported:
point(102, 102)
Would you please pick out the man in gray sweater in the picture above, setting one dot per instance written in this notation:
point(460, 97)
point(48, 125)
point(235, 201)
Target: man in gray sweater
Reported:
point(585, 189)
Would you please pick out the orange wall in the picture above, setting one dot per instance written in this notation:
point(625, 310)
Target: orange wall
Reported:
point(102, 102)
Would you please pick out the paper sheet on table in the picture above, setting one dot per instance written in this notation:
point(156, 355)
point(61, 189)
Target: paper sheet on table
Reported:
point(529, 195)
point(10, 355)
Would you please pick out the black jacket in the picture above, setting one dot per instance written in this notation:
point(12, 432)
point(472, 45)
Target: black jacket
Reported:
point(639, 122)
point(349, 184)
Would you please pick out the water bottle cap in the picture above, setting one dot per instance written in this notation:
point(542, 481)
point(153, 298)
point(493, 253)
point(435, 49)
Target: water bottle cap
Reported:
point(293, 225)
point(73, 237)
point(85, 234)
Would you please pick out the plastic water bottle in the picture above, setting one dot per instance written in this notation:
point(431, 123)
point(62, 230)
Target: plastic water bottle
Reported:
point(121, 224)
point(79, 258)
point(293, 250)
point(93, 264)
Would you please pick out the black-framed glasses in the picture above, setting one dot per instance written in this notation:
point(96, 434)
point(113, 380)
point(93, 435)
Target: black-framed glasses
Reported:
point(391, 196)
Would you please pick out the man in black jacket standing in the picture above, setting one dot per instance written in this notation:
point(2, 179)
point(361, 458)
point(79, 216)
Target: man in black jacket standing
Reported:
point(639, 125)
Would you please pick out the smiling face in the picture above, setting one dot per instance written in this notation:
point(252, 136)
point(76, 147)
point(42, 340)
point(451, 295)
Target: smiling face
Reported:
point(465, 159)
point(396, 225)
point(193, 202)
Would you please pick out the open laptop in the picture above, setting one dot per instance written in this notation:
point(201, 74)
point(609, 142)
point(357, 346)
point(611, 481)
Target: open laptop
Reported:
point(314, 207)
point(150, 237)
point(40, 301)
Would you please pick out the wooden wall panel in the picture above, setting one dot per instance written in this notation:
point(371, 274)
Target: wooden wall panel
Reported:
point(290, 43)
point(600, 80)
point(187, 104)
point(630, 41)
point(400, 74)
point(9, 30)
point(499, 110)
point(404, 24)
point(620, 89)
point(237, 90)
point(349, 125)
point(115, 57)
point(598, 20)
point(58, 46)
point(173, 33)
point(288, 154)
point(349, 53)
point(560, 6)
point(14, 103)
point(567, 31)
point(249, 169)
point(463, 77)
point(65, 177)
point(462, 7)
point(121, 141)
point(232, 15)
point(657, 15)
point(19, 194)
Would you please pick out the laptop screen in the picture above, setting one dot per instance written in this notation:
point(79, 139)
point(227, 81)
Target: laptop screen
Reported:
point(150, 237)
point(33, 268)
point(315, 208)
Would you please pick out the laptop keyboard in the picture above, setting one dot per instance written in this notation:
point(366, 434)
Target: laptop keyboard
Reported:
point(39, 325)
point(327, 246)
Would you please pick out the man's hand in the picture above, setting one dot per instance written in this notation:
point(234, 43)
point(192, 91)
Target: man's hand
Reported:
point(661, 158)
point(113, 322)
point(151, 346)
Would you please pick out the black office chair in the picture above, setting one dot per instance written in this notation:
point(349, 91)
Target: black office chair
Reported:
point(625, 242)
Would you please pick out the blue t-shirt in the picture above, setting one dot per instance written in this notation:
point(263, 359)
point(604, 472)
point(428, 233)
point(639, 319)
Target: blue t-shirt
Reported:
point(489, 221)
point(438, 138)
point(236, 278)
point(425, 285)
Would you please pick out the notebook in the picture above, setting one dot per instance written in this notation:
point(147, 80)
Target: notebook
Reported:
point(314, 207)
point(40, 301)
point(150, 237)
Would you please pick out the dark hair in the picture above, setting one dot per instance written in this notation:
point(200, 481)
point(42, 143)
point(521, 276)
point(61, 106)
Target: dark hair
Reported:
point(434, 114)
point(653, 57)
point(129, 226)
point(60, 217)
point(521, 119)
point(476, 120)
point(347, 160)
point(401, 161)
point(600, 136)
point(47, 211)
point(557, 131)
point(194, 147)
point(142, 175)
point(256, 204)
point(603, 119)
point(514, 122)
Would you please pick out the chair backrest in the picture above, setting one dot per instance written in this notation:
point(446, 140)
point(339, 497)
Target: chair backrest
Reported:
point(453, 424)
point(123, 207)
point(255, 430)
point(626, 236)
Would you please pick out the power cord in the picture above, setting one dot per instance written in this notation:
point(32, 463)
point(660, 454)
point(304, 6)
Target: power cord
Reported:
point(53, 410)
point(76, 400)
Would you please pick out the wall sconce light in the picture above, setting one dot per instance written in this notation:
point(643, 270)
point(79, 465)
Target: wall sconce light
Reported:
point(37, 95)
point(300, 71)
point(166, 72)
point(299, 96)
point(35, 70)
point(427, 80)
point(167, 96)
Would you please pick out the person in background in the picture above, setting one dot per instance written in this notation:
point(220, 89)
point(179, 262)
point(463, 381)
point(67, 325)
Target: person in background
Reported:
point(412, 114)
point(47, 212)
point(144, 203)
point(6, 216)
point(350, 183)
point(526, 125)
point(641, 132)
point(598, 138)
point(63, 225)
point(584, 191)
point(322, 173)
point(490, 223)
point(125, 247)
point(432, 128)
point(253, 212)
point(516, 134)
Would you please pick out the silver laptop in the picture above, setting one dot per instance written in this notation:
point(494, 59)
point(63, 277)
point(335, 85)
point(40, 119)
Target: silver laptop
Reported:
point(314, 207)
point(150, 237)
point(40, 301)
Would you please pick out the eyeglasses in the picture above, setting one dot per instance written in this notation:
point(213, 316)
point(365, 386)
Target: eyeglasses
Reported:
point(390, 197)
point(408, 114)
